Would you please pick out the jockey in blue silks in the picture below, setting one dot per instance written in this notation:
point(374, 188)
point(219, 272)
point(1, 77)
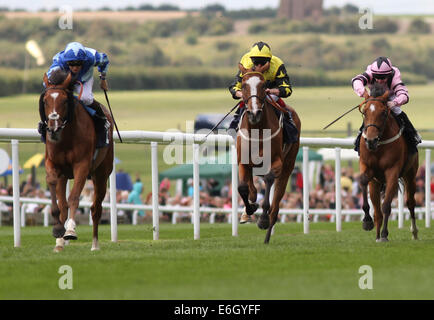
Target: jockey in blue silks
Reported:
point(80, 61)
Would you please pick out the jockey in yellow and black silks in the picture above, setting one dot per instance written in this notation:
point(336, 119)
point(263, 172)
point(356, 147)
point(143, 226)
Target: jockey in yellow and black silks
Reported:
point(277, 84)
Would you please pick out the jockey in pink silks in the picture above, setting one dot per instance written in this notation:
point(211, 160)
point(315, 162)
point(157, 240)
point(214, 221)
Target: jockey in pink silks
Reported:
point(382, 72)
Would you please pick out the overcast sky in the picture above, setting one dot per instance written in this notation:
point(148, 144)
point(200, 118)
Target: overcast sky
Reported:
point(378, 6)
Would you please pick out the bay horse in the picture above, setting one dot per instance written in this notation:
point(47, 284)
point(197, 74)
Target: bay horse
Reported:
point(384, 159)
point(71, 153)
point(278, 161)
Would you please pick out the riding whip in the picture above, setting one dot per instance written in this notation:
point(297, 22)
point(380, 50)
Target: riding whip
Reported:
point(221, 120)
point(358, 106)
point(116, 126)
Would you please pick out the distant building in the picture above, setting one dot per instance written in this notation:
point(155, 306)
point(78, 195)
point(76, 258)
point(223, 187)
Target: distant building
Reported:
point(300, 9)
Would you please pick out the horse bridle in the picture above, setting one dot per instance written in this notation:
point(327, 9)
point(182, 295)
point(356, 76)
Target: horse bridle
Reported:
point(383, 126)
point(262, 101)
point(56, 116)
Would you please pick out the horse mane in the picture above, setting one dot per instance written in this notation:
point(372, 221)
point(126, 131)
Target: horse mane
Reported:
point(378, 90)
point(59, 76)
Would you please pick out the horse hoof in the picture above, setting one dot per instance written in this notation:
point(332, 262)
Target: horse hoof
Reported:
point(251, 209)
point(368, 225)
point(382, 240)
point(263, 222)
point(58, 231)
point(95, 249)
point(70, 235)
point(57, 249)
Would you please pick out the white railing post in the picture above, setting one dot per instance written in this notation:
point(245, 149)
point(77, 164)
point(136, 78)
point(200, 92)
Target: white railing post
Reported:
point(234, 190)
point(400, 205)
point(196, 195)
point(46, 211)
point(306, 190)
point(427, 188)
point(16, 193)
point(134, 217)
point(155, 212)
point(338, 191)
point(113, 209)
point(23, 214)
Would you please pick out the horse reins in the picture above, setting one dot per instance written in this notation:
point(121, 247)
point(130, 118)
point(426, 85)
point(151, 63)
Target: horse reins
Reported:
point(383, 126)
point(56, 117)
point(273, 104)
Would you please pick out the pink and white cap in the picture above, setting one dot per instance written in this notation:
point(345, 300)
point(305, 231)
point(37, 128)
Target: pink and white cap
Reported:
point(381, 66)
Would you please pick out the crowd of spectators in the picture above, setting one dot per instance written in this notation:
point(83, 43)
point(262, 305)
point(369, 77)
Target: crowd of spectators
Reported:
point(322, 195)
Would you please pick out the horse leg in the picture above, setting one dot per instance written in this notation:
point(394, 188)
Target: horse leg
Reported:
point(375, 195)
point(80, 173)
point(100, 188)
point(264, 220)
point(275, 172)
point(279, 191)
point(246, 179)
point(410, 186)
point(368, 224)
point(391, 176)
point(52, 179)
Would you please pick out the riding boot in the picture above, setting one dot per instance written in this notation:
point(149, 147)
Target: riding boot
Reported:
point(102, 125)
point(410, 133)
point(357, 141)
point(233, 126)
point(290, 127)
point(236, 119)
point(42, 130)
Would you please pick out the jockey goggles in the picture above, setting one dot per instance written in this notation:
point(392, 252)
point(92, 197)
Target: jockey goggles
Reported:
point(75, 63)
point(260, 60)
point(381, 76)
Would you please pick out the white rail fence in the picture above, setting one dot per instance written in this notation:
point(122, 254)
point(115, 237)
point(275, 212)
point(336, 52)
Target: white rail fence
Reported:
point(15, 136)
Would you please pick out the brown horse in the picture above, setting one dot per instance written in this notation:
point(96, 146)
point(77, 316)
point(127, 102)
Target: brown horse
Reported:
point(384, 158)
point(273, 159)
point(71, 154)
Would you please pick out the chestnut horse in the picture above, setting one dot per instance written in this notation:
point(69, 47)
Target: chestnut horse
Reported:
point(70, 153)
point(276, 159)
point(384, 159)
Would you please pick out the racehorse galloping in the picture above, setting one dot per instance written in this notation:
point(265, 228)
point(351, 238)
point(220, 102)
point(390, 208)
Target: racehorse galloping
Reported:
point(384, 158)
point(260, 115)
point(71, 154)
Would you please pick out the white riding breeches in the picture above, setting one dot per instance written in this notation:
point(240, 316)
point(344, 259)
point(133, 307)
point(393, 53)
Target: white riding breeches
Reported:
point(86, 94)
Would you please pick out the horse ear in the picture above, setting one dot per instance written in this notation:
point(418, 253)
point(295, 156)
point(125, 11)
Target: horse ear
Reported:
point(385, 95)
point(67, 81)
point(263, 68)
point(46, 80)
point(242, 69)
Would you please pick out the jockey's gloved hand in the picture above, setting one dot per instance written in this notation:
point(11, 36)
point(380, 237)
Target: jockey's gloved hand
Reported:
point(391, 104)
point(103, 84)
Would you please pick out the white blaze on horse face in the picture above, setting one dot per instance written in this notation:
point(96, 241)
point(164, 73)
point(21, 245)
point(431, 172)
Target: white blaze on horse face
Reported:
point(54, 115)
point(372, 108)
point(54, 95)
point(253, 84)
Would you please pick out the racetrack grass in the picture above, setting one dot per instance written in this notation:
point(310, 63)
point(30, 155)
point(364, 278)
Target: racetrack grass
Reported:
point(323, 264)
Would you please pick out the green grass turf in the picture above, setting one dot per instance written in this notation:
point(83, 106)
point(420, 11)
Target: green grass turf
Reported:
point(323, 264)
